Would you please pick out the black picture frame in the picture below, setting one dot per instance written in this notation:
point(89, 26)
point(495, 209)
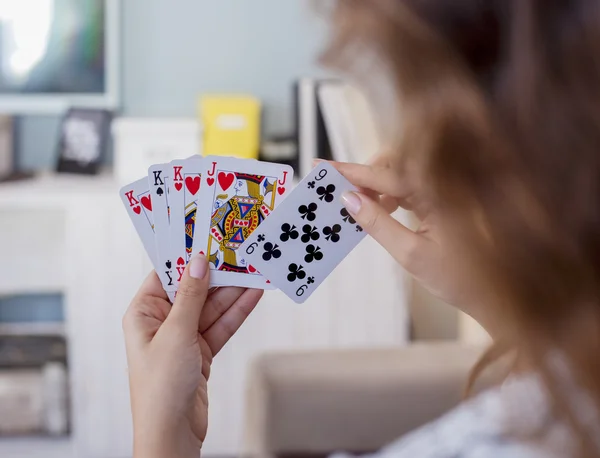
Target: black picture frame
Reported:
point(83, 140)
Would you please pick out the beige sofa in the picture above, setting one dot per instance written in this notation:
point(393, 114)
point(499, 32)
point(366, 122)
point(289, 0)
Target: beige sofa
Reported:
point(313, 404)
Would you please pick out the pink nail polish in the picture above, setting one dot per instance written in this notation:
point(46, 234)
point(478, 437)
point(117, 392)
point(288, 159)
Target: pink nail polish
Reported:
point(352, 202)
point(198, 267)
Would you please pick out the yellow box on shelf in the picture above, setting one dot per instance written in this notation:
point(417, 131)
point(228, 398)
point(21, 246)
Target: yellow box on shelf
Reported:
point(231, 125)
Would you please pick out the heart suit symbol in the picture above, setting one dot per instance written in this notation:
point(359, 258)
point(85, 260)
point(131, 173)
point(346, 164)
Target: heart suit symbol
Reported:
point(226, 180)
point(147, 202)
point(193, 184)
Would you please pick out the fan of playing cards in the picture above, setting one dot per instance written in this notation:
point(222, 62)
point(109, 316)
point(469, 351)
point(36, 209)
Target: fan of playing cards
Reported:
point(255, 231)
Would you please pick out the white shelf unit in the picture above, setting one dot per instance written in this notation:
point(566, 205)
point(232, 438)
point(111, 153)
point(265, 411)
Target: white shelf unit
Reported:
point(36, 448)
point(33, 329)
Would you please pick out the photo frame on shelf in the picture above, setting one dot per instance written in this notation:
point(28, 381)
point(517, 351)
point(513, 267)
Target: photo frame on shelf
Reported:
point(83, 140)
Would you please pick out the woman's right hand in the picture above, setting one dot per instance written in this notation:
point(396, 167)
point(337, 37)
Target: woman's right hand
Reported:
point(425, 253)
point(170, 350)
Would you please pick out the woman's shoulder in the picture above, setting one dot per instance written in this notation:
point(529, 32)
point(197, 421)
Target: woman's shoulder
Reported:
point(500, 423)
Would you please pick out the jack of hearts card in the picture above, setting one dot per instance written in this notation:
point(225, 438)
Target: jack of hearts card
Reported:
point(236, 197)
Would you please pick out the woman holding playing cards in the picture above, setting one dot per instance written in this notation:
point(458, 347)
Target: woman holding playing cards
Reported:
point(495, 133)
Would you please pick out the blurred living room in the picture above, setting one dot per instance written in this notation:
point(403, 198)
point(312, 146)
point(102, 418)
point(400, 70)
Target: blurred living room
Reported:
point(94, 92)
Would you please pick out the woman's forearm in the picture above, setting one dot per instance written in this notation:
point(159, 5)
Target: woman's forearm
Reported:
point(172, 442)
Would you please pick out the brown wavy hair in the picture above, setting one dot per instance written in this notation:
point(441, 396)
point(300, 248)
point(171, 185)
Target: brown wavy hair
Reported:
point(500, 103)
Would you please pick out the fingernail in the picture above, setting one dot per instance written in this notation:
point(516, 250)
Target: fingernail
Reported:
point(198, 267)
point(352, 202)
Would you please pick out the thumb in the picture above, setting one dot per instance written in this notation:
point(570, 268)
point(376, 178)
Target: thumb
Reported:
point(394, 237)
point(191, 295)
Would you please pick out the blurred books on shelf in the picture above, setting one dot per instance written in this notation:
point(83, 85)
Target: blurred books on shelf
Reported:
point(334, 121)
point(349, 122)
point(312, 139)
point(33, 381)
point(7, 153)
point(34, 401)
point(280, 149)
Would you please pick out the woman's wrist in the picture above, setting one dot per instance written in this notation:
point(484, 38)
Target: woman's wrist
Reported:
point(167, 440)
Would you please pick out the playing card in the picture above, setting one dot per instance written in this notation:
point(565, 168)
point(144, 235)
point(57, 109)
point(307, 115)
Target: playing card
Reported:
point(305, 239)
point(158, 179)
point(138, 203)
point(235, 198)
point(183, 195)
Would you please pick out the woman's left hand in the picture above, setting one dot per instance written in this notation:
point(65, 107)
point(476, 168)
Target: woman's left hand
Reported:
point(170, 351)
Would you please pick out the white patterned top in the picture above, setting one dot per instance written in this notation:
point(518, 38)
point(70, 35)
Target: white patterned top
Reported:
point(499, 423)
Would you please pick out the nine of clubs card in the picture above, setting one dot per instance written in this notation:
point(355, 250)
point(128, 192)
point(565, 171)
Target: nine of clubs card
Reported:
point(303, 241)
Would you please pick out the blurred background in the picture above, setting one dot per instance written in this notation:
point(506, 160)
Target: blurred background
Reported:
point(93, 92)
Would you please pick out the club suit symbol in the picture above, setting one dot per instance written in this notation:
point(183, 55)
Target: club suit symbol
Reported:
point(347, 217)
point(326, 193)
point(310, 233)
point(313, 253)
point(296, 273)
point(332, 233)
point(289, 232)
point(308, 212)
point(271, 252)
